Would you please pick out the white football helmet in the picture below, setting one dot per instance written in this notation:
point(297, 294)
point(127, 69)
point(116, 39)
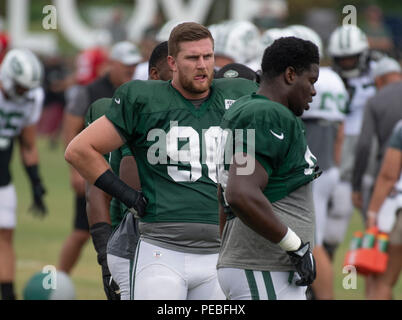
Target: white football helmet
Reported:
point(269, 36)
point(239, 40)
point(348, 41)
point(164, 32)
point(20, 67)
point(306, 33)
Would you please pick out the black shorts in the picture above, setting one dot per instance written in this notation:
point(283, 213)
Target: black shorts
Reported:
point(81, 218)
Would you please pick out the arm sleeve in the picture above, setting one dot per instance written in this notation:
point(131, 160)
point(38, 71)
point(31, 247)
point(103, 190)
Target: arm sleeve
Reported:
point(363, 148)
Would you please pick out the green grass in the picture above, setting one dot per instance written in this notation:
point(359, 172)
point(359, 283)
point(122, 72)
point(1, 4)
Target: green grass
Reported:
point(38, 242)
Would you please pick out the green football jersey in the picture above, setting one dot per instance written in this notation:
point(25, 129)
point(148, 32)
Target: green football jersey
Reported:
point(174, 144)
point(270, 133)
point(95, 111)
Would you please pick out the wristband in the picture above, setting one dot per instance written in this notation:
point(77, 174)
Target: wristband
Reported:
point(290, 242)
point(113, 185)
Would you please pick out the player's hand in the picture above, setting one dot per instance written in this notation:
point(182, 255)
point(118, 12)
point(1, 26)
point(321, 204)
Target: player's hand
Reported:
point(111, 288)
point(140, 204)
point(38, 208)
point(100, 233)
point(371, 220)
point(304, 261)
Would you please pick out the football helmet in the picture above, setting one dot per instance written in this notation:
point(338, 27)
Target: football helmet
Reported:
point(269, 36)
point(164, 32)
point(306, 33)
point(20, 67)
point(349, 41)
point(239, 40)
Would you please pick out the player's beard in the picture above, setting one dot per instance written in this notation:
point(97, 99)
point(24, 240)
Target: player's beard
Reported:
point(192, 86)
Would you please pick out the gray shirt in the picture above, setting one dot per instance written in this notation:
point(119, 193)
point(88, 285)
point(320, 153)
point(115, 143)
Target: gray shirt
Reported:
point(123, 241)
point(245, 249)
point(321, 135)
point(200, 238)
point(77, 101)
point(381, 114)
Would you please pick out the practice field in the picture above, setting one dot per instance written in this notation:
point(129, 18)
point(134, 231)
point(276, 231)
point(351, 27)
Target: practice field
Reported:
point(38, 242)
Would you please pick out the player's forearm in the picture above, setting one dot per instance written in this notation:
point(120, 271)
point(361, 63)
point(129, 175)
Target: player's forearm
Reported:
point(89, 162)
point(256, 212)
point(28, 149)
point(29, 154)
point(389, 174)
point(383, 187)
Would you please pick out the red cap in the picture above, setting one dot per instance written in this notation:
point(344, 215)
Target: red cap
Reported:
point(88, 65)
point(4, 42)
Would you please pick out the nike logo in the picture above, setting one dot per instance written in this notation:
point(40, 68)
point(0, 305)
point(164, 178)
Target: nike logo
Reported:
point(117, 100)
point(279, 136)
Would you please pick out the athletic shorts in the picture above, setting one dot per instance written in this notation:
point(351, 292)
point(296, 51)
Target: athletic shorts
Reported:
point(323, 189)
point(395, 237)
point(8, 207)
point(240, 284)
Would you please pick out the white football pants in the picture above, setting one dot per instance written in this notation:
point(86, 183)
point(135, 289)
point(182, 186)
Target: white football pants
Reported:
point(8, 207)
point(162, 274)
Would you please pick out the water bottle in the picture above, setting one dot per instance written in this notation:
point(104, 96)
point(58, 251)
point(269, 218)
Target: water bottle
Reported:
point(356, 241)
point(369, 238)
point(382, 242)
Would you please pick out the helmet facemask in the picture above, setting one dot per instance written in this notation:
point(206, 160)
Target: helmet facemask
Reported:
point(351, 70)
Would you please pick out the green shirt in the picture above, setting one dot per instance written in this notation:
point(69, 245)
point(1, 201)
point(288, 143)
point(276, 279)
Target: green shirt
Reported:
point(174, 144)
point(272, 134)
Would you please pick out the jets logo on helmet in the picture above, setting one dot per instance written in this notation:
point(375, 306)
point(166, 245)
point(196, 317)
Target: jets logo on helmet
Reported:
point(16, 66)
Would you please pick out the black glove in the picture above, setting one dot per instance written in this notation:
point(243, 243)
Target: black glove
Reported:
point(100, 233)
point(140, 204)
point(38, 207)
point(111, 288)
point(304, 261)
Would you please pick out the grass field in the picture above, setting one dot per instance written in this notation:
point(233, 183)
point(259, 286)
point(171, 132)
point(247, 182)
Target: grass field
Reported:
point(38, 242)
